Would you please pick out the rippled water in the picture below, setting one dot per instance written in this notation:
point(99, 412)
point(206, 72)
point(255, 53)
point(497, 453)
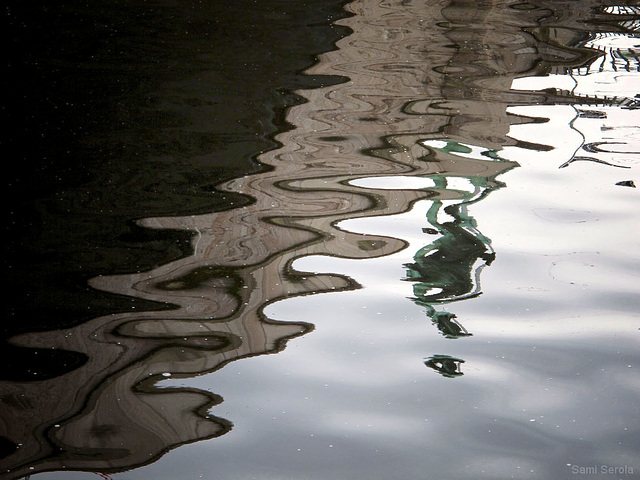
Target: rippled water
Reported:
point(379, 240)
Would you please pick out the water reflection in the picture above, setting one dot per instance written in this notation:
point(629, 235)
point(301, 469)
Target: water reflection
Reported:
point(429, 98)
point(445, 365)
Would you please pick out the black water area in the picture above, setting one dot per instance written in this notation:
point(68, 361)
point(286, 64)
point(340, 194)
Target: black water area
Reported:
point(123, 110)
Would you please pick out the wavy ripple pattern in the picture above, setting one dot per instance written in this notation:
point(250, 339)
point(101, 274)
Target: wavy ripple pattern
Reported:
point(427, 96)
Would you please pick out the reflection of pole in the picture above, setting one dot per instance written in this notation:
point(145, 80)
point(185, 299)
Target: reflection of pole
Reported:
point(445, 365)
point(447, 324)
point(447, 269)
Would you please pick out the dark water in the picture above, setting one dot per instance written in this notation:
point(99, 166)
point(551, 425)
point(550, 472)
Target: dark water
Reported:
point(426, 211)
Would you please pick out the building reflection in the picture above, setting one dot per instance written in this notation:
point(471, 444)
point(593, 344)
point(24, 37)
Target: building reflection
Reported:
point(470, 96)
point(428, 96)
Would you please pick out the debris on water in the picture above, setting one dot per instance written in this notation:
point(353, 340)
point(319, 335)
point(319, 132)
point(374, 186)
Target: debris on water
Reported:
point(590, 159)
point(627, 183)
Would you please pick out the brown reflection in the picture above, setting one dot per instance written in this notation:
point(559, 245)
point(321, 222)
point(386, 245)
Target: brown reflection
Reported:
point(428, 96)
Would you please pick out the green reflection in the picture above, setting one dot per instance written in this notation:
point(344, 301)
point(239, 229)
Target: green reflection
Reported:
point(448, 268)
point(445, 365)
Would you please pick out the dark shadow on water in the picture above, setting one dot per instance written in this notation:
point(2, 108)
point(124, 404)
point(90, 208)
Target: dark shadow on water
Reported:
point(120, 111)
point(126, 110)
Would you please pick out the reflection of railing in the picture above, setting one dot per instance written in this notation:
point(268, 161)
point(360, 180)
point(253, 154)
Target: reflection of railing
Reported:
point(623, 10)
point(612, 57)
point(617, 51)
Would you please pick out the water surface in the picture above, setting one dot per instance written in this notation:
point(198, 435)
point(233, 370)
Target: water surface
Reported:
point(413, 256)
